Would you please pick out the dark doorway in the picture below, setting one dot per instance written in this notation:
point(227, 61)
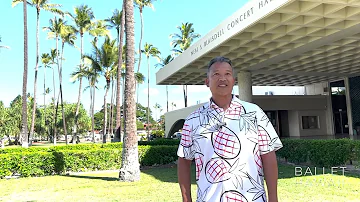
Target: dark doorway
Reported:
point(283, 123)
point(341, 122)
point(273, 119)
point(338, 99)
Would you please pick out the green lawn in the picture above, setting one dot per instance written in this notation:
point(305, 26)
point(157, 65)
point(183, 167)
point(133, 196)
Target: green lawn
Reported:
point(160, 184)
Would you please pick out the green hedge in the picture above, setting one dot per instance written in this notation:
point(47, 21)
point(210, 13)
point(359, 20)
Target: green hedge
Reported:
point(325, 153)
point(59, 162)
point(89, 146)
point(161, 141)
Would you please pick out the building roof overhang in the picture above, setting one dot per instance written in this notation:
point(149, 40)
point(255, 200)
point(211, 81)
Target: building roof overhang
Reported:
point(282, 42)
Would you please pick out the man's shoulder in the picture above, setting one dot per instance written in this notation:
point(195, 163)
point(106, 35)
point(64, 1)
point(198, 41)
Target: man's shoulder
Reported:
point(198, 110)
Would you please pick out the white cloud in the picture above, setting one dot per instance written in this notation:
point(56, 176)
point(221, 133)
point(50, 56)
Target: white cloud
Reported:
point(152, 91)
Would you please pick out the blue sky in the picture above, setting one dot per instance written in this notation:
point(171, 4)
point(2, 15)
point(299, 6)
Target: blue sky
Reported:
point(158, 25)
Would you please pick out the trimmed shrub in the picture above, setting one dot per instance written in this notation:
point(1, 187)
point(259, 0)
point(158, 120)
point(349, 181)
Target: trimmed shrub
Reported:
point(157, 155)
point(29, 164)
point(161, 141)
point(324, 153)
point(26, 164)
point(20, 149)
point(89, 146)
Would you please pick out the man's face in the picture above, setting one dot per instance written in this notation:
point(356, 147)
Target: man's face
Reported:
point(220, 79)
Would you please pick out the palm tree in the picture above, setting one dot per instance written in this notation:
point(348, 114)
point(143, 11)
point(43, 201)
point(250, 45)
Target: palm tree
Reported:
point(53, 57)
point(113, 77)
point(39, 5)
point(164, 62)
point(181, 42)
point(96, 29)
point(46, 60)
point(56, 29)
point(149, 50)
point(141, 4)
point(82, 18)
point(117, 20)
point(24, 124)
point(130, 168)
point(92, 74)
point(104, 59)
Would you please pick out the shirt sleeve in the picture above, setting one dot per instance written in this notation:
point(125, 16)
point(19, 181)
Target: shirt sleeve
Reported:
point(268, 138)
point(186, 148)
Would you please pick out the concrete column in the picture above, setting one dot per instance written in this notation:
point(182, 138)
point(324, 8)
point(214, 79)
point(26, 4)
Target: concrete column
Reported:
point(329, 112)
point(348, 106)
point(245, 86)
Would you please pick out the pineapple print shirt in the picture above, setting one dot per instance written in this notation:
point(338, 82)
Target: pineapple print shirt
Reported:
point(226, 147)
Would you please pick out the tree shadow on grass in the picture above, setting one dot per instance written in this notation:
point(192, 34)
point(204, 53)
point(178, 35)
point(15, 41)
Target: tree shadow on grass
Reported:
point(167, 173)
point(110, 179)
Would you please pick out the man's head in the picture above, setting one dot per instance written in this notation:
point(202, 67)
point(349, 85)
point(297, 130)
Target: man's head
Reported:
point(220, 76)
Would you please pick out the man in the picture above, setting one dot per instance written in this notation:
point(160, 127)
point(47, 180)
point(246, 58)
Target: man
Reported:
point(232, 143)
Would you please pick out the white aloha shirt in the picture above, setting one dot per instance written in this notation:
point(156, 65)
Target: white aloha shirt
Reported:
point(227, 147)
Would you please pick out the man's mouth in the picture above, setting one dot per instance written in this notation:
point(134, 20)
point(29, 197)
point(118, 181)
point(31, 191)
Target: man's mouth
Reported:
point(222, 85)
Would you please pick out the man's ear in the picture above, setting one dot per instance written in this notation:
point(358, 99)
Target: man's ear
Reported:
point(207, 82)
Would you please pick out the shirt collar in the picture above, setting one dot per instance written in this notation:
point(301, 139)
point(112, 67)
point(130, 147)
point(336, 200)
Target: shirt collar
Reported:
point(234, 103)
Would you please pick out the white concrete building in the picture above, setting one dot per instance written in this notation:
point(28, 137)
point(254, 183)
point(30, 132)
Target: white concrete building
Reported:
point(308, 43)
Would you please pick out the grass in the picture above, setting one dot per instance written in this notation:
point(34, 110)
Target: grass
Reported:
point(160, 184)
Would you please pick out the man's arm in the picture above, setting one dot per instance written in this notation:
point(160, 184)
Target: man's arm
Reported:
point(184, 178)
point(271, 174)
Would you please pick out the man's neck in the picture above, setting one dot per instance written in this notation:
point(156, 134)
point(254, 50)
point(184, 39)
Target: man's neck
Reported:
point(222, 101)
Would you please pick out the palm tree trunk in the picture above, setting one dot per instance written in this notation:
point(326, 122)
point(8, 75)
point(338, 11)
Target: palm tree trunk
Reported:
point(112, 108)
point(92, 115)
point(123, 103)
point(54, 118)
point(110, 113)
point(35, 80)
point(141, 36)
point(105, 112)
point(61, 93)
point(130, 168)
point(185, 94)
point(148, 101)
point(139, 64)
point(91, 106)
point(79, 93)
point(118, 80)
point(24, 124)
point(44, 100)
point(167, 99)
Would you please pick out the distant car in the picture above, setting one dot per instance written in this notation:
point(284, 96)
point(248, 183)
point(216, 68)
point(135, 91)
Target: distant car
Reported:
point(176, 135)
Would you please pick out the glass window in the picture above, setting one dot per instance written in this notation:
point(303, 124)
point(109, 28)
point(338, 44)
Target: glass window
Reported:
point(310, 122)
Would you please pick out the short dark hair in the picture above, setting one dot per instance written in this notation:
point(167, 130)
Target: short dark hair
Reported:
point(219, 59)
